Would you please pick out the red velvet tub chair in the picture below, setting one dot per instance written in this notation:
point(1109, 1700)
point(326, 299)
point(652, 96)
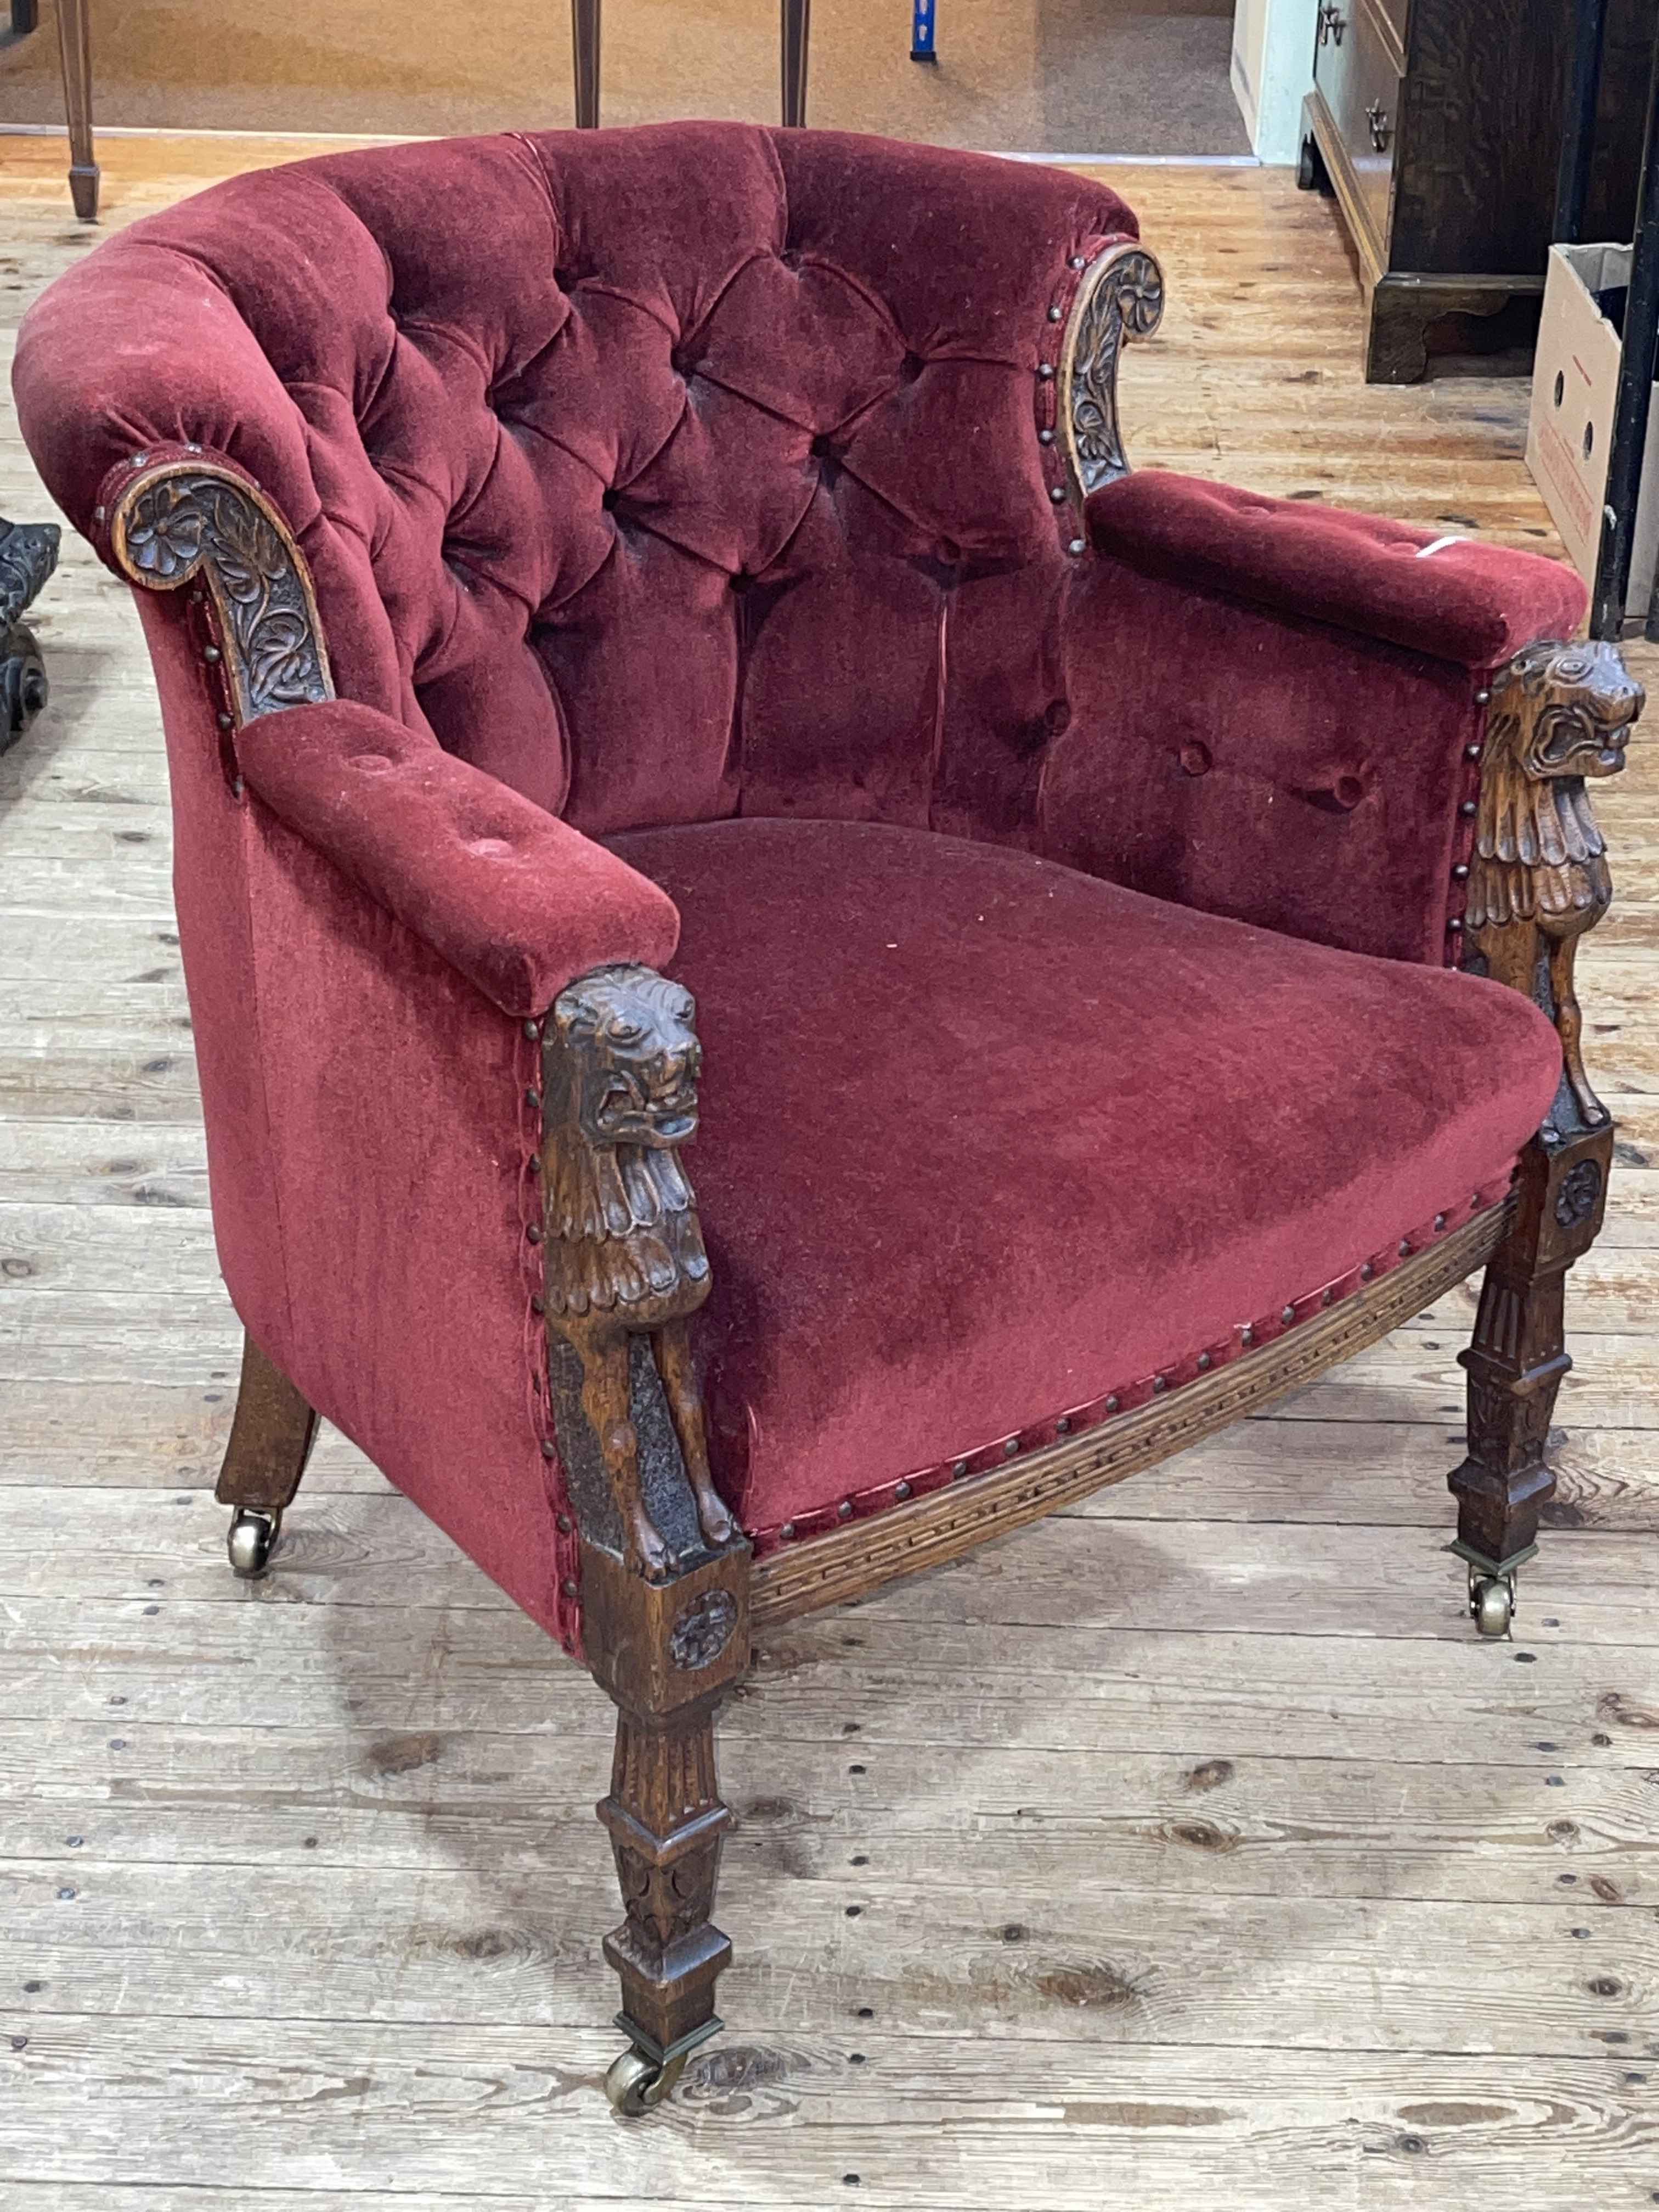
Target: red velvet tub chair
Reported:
point(657, 637)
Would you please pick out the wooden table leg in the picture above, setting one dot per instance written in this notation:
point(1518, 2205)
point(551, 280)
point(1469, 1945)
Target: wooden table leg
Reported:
point(74, 41)
point(796, 21)
point(585, 38)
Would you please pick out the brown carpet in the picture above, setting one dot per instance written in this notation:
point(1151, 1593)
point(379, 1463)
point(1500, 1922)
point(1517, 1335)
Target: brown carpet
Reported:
point(1039, 76)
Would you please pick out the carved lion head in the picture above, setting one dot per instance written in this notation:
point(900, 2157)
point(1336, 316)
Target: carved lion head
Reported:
point(633, 1056)
point(1566, 709)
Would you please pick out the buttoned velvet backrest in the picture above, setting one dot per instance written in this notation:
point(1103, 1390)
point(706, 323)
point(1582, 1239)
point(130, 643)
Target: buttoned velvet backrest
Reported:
point(665, 473)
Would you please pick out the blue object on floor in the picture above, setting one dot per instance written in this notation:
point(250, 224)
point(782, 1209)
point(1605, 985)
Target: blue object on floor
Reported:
point(921, 31)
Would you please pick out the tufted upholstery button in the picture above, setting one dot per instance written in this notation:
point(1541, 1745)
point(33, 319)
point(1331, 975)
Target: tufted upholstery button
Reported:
point(493, 406)
point(490, 849)
point(1195, 757)
point(1056, 716)
point(372, 764)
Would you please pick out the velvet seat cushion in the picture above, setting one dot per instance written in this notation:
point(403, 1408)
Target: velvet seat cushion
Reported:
point(987, 1144)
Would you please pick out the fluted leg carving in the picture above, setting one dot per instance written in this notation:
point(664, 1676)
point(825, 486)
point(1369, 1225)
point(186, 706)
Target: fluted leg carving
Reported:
point(666, 1820)
point(1516, 1363)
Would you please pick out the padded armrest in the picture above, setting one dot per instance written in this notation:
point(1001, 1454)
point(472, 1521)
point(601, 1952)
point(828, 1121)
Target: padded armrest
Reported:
point(514, 898)
point(1445, 595)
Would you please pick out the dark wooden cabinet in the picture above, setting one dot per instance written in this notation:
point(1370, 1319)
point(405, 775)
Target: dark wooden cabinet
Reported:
point(1437, 125)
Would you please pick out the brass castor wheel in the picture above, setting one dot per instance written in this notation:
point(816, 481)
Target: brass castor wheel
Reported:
point(634, 2083)
point(1491, 1603)
point(252, 1533)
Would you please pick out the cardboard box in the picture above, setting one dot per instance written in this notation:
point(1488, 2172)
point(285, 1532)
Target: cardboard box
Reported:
point(1575, 387)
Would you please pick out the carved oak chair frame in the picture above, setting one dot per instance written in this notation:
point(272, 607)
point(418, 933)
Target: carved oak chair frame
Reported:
point(671, 1593)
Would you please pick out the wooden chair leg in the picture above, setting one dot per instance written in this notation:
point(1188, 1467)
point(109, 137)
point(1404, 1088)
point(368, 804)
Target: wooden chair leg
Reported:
point(1515, 1366)
point(667, 1822)
point(584, 40)
point(270, 1439)
point(796, 25)
point(74, 43)
point(665, 1653)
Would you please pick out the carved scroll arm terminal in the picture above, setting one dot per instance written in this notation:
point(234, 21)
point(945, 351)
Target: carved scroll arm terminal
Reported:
point(1120, 297)
point(176, 516)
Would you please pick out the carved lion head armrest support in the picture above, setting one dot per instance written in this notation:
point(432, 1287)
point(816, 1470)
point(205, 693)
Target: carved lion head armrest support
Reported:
point(626, 1267)
point(1539, 878)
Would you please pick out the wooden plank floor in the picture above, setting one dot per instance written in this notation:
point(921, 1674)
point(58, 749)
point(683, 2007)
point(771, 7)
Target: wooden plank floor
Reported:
point(1255, 1881)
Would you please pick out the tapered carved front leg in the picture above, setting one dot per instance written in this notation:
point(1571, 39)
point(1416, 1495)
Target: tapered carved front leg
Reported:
point(664, 1574)
point(666, 1821)
point(1538, 882)
point(270, 1440)
point(667, 1653)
